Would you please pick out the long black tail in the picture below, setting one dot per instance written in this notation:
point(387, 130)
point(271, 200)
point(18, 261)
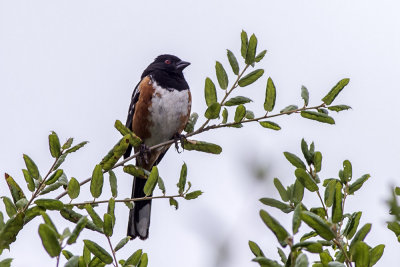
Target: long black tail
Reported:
point(139, 216)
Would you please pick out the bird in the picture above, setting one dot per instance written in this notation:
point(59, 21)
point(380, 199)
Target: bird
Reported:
point(159, 111)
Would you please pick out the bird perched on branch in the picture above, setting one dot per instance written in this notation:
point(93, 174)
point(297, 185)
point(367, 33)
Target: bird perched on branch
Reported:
point(159, 111)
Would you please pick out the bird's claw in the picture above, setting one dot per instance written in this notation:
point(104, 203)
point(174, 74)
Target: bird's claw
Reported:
point(179, 138)
point(144, 152)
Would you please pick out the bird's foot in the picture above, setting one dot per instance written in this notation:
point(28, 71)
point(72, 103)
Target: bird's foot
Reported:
point(144, 153)
point(179, 138)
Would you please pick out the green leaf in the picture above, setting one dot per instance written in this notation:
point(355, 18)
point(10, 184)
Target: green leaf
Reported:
point(330, 190)
point(296, 221)
point(233, 61)
point(308, 236)
point(73, 188)
point(108, 224)
point(133, 139)
point(151, 181)
point(122, 243)
point(32, 213)
point(137, 171)
point(301, 261)
point(77, 147)
point(112, 157)
point(73, 261)
point(29, 180)
point(113, 183)
point(305, 95)
point(336, 264)
point(210, 93)
point(337, 209)
point(361, 254)
point(255, 249)
point(182, 179)
point(270, 95)
point(222, 77)
point(134, 258)
point(224, 116)
point(339, 108)
point(317, 224)
point(96, 184)
point(10, 230)
point(270, 125)
point(143, 260)
point(68, 143)
point(317, 161)
point(111, 209)
point(251, 50)
point(298, 192)
point(358, 183)
point(49, 204)
point(352, 225)
point(193, 195)
point(96, 262)
point(59, 161)
point(280, 232)
point(375, 254)
point(202, 146)
point(347, 170)
point(54, 144)
point(15, 189)
point(237, 100)
point(95, 217)
point(311, 246)
point(263, 261)
point(333, 93)
point(49, 222)
point(245, 44)
point(77, 230)
point(6, 262)
point(276, 204)
point(316, 116)
point(161, 185)
point(173, 202)
point(260, 56)
point(306, 152)
point(361, 234)
point(67, 254)
point(74, 217)
point(49, 240)
point(282, 191)
point(129, 204)
point(250, 78)
point(294, 160)
point(282, 255)
point(289, 109)
point(213, 111)
point(31, 166)
point(21, 203)
point(240, 113)
point(98, 251)
point(249, 114)
point(11, 209)
point(54, 177)
point(191, 122)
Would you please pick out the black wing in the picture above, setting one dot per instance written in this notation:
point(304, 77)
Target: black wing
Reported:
point(131, 111)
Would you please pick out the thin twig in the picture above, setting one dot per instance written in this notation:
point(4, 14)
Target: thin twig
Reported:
point(348, 261)
point(113, 251)
point(125, 200)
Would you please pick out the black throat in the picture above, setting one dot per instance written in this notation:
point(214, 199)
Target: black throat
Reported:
point(169, 80)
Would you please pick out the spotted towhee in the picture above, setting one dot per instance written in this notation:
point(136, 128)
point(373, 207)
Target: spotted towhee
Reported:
point(159, 110)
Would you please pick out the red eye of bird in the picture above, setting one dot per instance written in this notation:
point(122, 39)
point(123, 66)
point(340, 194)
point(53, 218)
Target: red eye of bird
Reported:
point(167, 61)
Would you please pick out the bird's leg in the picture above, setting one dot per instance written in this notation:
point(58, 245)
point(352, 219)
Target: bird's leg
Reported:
point(144, 152)
point(181, 138)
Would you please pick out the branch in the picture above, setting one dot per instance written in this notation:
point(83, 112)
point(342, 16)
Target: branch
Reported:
point(124, 200)
point(202, 129)
point(112, 250)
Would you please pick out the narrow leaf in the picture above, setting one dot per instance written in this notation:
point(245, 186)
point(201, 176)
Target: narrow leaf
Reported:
point(15, 189)
point(294, 160)
point(10, 230)
point(210, 93)
point(98, 251)
point(193, 195)
point(202, 146)
point(173, 202)
point(280, 232)
point(270, 125)
point(108, 224)
point(276, 204)
point(151, 182)
point(358, 183)
point(260, 56)
point(312, 115)
point(134, 258)
point(31, 166)
point(122, 243)
point(270, 96)
point(317, 161)
point(77, 230)
point(73, 188)
point(337, 209)
point(318, 224)
point(237, 100)
point(54, 144)
point(233, 61)
point(77, 147)
point(251, 77)
point(375, 254)
point(251, 50)
point(296, 221)
point(29, 180)
point(305, 95)
point(182, 179)
point(339, 108)
point(333, 93)
point(224, 116)
point(255, 249)
point(239, 113)
point(96, 184)
point(245, 43)
point(49, 240)
point(347, 170)
point(54, 177)
point(222, 77)
point(213, 111)
point(282, 191)
point(189, 128)
point(49, 204)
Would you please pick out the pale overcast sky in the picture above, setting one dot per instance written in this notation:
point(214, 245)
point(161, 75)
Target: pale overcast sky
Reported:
point(71, 66)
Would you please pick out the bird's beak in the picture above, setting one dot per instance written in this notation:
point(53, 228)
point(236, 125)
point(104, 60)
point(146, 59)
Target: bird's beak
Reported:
point(181, 65)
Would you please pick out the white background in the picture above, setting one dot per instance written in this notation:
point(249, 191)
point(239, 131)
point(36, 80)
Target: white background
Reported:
point(70, 66)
